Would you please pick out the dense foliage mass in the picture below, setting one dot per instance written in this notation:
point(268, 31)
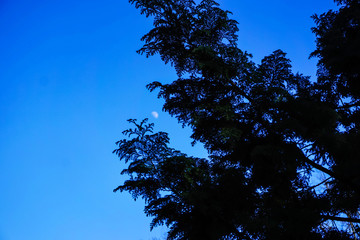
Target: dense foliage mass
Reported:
point(270, 133)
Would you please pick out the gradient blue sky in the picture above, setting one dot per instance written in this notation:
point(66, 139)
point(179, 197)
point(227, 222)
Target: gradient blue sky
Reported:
point(70, 78)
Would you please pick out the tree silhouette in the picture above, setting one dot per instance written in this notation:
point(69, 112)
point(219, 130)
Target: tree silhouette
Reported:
point(269, 132)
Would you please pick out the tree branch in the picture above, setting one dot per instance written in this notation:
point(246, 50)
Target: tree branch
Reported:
point(241, 92)
point(357, 104)
point(341, 219)
point(331, 173)
point(320, 168)
point(320, 183)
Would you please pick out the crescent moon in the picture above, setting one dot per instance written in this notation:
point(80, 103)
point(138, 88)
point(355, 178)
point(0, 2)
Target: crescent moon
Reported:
point(155, 114)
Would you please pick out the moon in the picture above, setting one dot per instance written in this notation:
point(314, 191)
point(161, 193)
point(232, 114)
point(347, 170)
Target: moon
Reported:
point(155, 114)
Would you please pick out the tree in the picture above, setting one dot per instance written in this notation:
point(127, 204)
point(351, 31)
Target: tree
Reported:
point(268, 131)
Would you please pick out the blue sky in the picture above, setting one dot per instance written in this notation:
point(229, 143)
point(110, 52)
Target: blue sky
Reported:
point(70, 77)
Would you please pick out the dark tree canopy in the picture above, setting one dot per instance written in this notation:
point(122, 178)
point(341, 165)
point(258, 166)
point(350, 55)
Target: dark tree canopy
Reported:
point(269, 132)
point(338, 47)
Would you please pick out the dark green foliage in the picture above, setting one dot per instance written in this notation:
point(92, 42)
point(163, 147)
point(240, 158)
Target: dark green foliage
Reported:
point(338, 48)
point(183, 192)
point(269, 132)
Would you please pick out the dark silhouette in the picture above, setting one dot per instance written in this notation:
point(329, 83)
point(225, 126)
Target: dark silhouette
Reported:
point(269, 132)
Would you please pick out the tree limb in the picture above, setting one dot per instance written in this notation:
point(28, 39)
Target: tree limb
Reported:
point(320, 168)
point(331, 173)
point(320, 183)
point(341, 219)
point(357, 104)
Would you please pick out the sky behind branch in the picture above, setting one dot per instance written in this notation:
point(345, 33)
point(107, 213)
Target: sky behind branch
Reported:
point(70, 78)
